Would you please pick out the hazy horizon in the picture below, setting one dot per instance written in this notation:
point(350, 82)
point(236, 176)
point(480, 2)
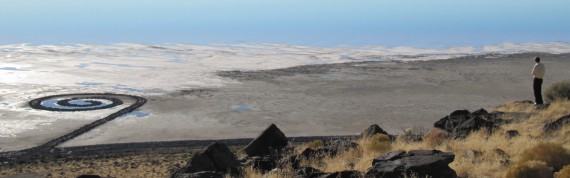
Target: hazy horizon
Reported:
point(430, 24)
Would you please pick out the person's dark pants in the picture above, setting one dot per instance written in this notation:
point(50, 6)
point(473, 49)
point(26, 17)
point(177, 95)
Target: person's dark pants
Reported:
point(537, 84)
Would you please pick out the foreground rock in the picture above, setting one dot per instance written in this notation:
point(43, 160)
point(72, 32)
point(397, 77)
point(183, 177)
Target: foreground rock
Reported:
point(461, 122)
point(420, 163)
point(269, 140)
point(217, 158)
point(558, 123)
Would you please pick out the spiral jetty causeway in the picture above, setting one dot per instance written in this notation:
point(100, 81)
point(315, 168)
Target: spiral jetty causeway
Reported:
point(72, 103)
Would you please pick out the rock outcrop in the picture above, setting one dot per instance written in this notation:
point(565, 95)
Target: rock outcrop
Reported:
point(420, 163)
point(269, 140)
point(216, 158)
point(558, 123)
point(461, 123)
point(372, 130)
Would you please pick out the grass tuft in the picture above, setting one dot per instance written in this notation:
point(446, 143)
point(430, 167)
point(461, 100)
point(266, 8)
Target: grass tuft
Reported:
point(563, 173)
point(530, 169)
point(553, 154)
point(557, 91)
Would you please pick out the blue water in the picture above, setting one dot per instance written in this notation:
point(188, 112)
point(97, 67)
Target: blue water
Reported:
point(125, 65)
point(241, 107)
point(88, 83)
point(79, 102)
point(123, 87)
point(82, 65)
point(138, 114)
point(418, 23)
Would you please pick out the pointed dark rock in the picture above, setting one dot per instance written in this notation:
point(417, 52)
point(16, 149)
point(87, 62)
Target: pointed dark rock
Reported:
point(372, 130)
point(269, 140)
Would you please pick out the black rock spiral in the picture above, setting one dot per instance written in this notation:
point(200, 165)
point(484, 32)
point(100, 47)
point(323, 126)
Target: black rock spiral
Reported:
point(65, 103)
point(83, 102)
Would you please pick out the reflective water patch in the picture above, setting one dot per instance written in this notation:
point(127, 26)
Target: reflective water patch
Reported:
point(88, 83)
point(138, 114)
point(241, 107)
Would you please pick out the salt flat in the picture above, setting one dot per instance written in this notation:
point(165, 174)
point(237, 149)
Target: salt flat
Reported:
point(198, 92)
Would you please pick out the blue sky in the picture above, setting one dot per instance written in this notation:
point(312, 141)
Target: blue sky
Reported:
point(307, 22)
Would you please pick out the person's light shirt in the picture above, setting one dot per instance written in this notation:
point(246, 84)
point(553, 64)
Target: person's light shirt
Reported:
point(538, 71)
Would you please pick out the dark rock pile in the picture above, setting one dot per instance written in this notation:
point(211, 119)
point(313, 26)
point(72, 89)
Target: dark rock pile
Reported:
point(461, 123)
point(271, 151)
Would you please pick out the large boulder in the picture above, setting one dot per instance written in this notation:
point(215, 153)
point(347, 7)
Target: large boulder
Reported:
point(372, 130)
point(216, 158)
point(448, 123)
point(421, 163)
point(558, 123)
point(461, 122)
point(473, 124)
point(269, 140)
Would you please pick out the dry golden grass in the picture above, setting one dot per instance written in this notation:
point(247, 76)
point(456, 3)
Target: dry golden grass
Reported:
point(487, 164)
point(563, 173)
point(142, 166)
point(530, 169)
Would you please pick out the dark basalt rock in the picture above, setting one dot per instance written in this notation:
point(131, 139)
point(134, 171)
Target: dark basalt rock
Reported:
point(479, 112)
point(422, 163)
point(216, 158)
point(558, 123)
point(269, 140)
point(473, 124)
point(390, 156)
point(308, 172)
point(202, 174)
point(448, 123)
point(461, 123)
point(343, 174)
point(264, 164)
point(512, 133)
point(372, 130)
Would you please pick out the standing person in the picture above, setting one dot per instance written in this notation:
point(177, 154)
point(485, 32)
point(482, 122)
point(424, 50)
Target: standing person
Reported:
point(538, 74)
